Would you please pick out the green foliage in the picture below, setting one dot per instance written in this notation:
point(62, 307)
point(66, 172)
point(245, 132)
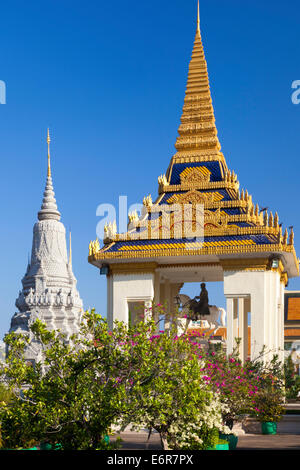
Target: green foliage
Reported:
point(169, 394)
point(101, 379)
point(269, 406)
point(5, 394)
point(255, 387)
point(62, 401)
point(268, 403)
point(234, 382)
point(292, 380)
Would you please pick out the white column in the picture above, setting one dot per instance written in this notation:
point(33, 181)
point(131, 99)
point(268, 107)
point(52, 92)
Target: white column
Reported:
point(243, 329)
point(261, 286)
point(157, 296)
point(109, 301)
point(232, 324)
point(247, 308)
point(168, 303)
point(281, 321)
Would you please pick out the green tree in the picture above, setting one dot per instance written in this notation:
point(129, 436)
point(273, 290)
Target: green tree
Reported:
point(169, 394)
point(102, 379)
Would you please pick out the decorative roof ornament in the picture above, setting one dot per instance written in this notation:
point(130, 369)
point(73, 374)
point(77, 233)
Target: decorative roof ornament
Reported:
point(94, 247)
point(133, 216)
point(162, 180)
point(291, 237)
point(147, 201)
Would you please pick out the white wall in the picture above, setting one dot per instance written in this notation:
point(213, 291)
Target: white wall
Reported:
point(124, 288)
point(266, 303)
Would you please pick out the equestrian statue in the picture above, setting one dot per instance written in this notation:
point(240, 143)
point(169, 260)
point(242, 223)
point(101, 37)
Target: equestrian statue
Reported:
point(198, 309)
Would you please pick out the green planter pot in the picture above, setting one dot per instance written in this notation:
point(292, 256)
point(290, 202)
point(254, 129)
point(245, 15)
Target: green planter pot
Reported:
point(269, 427)
point(231, 439)
point(220, 446)
point(47, 446)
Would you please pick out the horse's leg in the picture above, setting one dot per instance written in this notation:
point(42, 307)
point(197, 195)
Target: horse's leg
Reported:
point(216, 326)
point(187, 324)
point(214, 322)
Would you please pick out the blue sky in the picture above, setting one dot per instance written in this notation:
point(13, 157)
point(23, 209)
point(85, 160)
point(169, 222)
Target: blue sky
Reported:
point(109, 78)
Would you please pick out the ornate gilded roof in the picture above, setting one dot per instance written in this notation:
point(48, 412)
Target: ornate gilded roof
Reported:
point(197, 174)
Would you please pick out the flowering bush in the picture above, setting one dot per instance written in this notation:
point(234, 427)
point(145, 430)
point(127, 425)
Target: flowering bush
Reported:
point(253, 388)
point(269, 406)
point(136, 375)
point(236, 385)
point(168, 393)
point(106, 378)
point(269, 401)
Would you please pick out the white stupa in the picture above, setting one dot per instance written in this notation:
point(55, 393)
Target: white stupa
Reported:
point(49, 285)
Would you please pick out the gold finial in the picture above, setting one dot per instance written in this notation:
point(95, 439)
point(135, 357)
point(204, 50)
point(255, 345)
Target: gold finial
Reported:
point(198, 17)
point(48, 142)
point(291, 237)
point(198, 134)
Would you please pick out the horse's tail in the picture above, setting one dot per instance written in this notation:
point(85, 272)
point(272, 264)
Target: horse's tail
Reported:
point(222, 316)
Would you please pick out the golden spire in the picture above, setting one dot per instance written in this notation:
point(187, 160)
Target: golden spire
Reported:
point(48, 142)
point(197, 132)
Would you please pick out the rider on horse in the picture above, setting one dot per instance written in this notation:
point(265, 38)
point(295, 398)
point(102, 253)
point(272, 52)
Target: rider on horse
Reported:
point(200, 307)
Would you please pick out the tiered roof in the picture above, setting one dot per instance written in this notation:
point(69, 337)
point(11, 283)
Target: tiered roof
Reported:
point(198, 174)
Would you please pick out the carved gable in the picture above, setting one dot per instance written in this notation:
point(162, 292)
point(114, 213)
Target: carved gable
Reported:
point(195, 175)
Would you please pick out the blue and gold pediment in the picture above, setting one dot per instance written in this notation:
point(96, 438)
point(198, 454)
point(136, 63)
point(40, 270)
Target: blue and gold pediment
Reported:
point(209, 171)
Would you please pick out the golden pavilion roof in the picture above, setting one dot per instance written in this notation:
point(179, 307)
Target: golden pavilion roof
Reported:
point(198, 174)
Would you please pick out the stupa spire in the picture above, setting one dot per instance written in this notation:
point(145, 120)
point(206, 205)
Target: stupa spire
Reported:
point(197, 132)
point(48, 142)
point(49, 286)
point(49, 208)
